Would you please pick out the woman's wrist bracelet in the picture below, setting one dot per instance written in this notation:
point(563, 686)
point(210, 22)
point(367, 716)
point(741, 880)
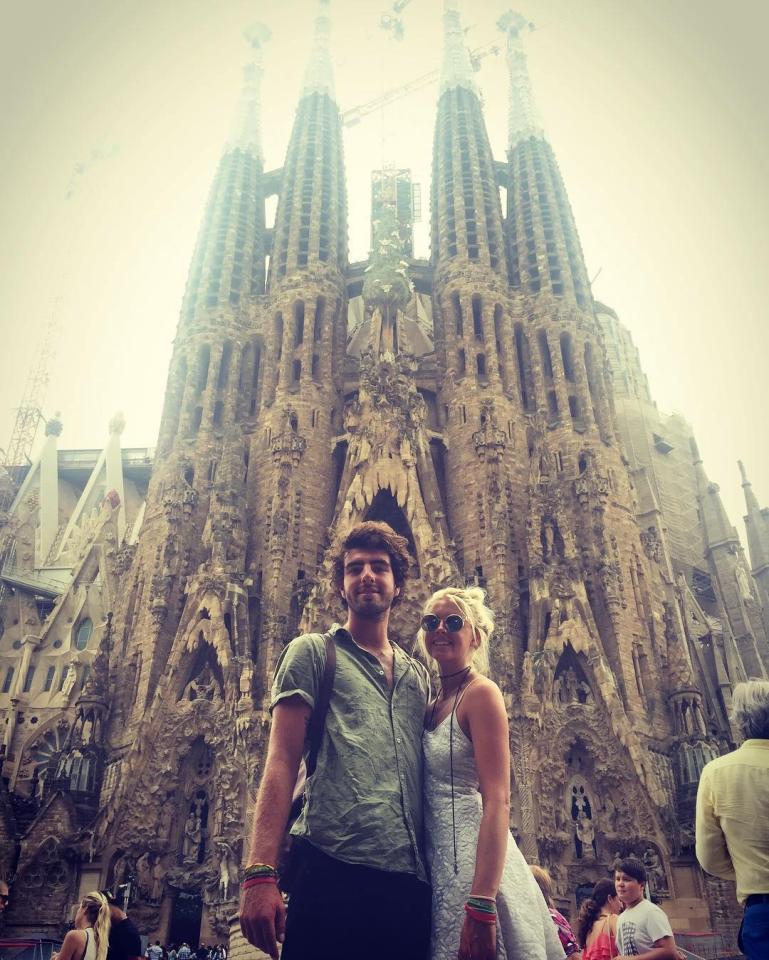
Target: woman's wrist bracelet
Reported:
point(480, 916)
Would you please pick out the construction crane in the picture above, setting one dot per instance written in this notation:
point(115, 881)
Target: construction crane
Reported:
point(354, 115)
point(29, 412)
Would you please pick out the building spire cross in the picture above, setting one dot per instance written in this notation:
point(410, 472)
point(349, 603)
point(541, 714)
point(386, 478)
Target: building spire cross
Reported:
point(457, 66)
point(523, 116)
point(319, 75)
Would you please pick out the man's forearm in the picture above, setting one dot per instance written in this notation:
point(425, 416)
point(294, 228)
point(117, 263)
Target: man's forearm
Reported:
point(273, 806)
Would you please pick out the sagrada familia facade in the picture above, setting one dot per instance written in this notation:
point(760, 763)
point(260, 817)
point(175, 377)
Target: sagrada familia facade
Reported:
point(483, 404)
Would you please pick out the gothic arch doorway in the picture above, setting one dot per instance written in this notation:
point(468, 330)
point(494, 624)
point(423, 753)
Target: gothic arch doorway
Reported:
point(186, 917)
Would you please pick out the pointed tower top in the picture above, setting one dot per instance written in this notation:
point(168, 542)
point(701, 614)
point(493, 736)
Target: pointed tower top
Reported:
point(319, 77)
point(457, 66)
point(523, 117)
point(751, 502)
point(718, 527)
point(246, 133)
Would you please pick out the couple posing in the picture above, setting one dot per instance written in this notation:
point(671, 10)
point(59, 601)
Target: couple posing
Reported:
point(373, 832)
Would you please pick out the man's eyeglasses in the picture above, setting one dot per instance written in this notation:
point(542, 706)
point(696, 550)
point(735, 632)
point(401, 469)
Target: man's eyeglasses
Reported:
point(5, 897)
point(453, 622)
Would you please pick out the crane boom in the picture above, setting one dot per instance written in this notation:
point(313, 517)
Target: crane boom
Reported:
point(354, 115)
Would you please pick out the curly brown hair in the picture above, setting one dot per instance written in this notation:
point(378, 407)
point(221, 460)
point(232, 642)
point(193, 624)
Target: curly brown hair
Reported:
point(373, 535)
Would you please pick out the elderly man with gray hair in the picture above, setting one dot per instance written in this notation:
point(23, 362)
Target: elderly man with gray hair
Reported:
point(733, 815)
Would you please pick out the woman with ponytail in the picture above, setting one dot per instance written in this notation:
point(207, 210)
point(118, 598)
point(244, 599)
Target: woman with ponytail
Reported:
point(90, 938)
point(597, 922)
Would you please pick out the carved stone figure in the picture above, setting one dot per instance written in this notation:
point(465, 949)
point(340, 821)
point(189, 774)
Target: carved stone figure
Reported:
point(228, 870)
point(193, 838)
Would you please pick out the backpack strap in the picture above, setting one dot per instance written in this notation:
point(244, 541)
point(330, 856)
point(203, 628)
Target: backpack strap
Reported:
point(318, 718)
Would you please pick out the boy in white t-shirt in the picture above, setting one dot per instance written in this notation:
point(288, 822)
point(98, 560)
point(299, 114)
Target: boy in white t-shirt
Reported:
point(643, 929)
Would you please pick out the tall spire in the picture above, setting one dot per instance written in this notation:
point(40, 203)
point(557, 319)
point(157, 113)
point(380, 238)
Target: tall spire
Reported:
point(757, 526)
point(319, 76)
point(245, 133)
point(457, 68)
point(523, 117)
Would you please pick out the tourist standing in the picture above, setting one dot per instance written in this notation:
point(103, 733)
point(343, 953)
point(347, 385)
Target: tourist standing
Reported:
point(90, 938)
point(732, 824)
point(597, 922)
point(486, 903)
point(361, 889)
point(643, 929)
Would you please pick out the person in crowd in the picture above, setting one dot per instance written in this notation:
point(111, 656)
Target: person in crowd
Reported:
point(361, 824)
point(643, 929)
point(184, 952)
point(562, 925)
point(171, 952)
point(5, 895)
point(597, 922)
point(732, 820)
point(125, 942)
point(486, 903)
point(154, 951)
point(90, 938)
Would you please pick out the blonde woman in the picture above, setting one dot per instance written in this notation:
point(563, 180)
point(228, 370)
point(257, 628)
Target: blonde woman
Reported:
point(486, 903)
point(90, 938)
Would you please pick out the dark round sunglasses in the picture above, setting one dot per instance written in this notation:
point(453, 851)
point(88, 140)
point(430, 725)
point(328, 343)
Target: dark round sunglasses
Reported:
point(453, 622)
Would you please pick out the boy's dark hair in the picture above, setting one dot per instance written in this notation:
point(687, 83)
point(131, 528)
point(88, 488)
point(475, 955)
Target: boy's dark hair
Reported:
point(633, 868)
point(373, 535)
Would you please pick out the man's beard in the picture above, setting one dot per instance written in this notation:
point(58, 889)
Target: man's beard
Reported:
point(372, 607)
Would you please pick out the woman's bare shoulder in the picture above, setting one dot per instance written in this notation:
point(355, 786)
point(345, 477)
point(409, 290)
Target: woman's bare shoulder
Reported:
point(483, 697)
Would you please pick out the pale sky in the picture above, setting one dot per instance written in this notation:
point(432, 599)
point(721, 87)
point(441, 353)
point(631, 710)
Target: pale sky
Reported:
point(115, 113)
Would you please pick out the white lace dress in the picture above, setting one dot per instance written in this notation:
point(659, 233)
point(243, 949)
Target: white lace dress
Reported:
point(525, 930)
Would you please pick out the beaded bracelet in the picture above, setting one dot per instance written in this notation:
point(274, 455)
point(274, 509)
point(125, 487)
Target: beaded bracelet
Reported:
point(481, 916)
point(257, 881)
point(482, 909)
point(260, 870)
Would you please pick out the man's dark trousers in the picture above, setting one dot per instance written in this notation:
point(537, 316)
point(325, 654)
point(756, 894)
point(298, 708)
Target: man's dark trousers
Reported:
point(343, 911)
point(755, 929)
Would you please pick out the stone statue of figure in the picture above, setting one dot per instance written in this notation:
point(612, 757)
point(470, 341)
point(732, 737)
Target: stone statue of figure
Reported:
point(586, 835)
point(654, 870)
point(228, 870)
point(193, 835)
point(69, 680)
point(743, 582)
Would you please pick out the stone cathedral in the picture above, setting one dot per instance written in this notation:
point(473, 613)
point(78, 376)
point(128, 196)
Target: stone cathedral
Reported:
point(483, 404)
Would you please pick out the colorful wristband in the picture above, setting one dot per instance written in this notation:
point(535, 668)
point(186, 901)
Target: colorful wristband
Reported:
point(256, 881)
point(481, 916)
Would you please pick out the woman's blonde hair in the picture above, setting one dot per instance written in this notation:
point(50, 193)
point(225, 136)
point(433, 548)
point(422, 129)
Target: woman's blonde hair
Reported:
point(471, 603)
point(544, 881)
point(97, 911)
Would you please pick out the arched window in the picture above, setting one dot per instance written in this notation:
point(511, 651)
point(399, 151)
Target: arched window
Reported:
point(224, 366)
point(298, 323)
point(477, 303)
point(83, 633)
point(567, 356)
point(458, 321)
point(204, 358)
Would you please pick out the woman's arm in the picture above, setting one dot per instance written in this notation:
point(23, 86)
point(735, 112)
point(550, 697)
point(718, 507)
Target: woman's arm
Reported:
point(486, 720)
point(73, 946)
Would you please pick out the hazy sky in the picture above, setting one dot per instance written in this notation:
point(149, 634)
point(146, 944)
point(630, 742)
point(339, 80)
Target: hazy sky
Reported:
point(115, 113)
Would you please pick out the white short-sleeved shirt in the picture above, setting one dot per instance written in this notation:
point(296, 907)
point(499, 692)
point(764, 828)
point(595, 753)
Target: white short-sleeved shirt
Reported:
point(639, 927)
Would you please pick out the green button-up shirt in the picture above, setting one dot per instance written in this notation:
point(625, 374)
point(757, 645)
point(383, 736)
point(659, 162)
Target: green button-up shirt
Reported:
point(364, 802)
